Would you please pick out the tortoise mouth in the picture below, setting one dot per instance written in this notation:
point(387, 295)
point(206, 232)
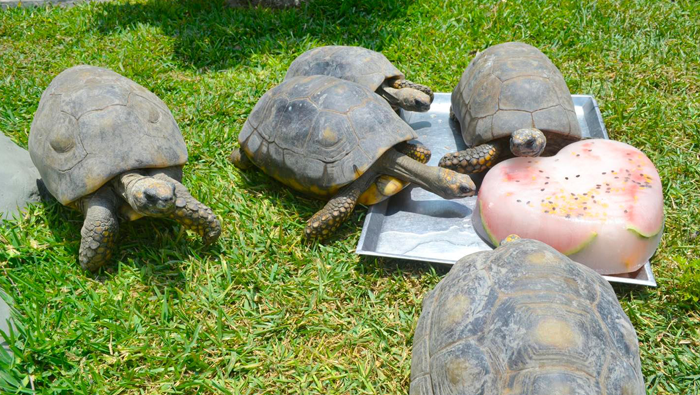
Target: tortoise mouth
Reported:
point(153, 197)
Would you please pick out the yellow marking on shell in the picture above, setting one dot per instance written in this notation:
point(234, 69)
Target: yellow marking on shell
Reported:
point(460, 372)
point(324, 193)
point(556, 333)
point(542, 258)
point(295, 185)
point(455, 308)
point(329, 136)
point(561, 389)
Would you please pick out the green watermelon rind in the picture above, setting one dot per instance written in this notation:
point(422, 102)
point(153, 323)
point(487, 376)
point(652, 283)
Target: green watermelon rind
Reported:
point(486, 227)
point(581, 246)
point(643, 235)
point(496, 243)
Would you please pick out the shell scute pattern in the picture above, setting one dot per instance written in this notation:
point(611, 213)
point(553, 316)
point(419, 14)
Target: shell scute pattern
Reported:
point(326, 144)
point(360, 65)
point(93, 124)
point(524, 319)
point(517, 87)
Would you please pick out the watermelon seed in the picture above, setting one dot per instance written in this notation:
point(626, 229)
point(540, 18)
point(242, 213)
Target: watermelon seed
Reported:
point(528, 202)
point(542, 190)
point(578, 175)
point(546, 183)
point(603, 172)
point(518, 200)
point(625, 211)
point(578, 154)
point(569, 215)
point(566, 178)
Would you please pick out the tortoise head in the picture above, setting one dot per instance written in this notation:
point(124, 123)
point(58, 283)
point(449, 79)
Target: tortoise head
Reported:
point(150, 196)
point(527, 142)
point(409, 99)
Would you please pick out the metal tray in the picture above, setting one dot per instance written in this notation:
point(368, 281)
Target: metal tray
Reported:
point(419, 225)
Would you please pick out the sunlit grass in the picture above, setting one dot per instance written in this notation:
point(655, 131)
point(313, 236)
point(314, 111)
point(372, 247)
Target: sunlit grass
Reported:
point(261, 311)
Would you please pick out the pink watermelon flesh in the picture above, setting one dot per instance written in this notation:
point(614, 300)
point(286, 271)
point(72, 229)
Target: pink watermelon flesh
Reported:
point(598, 201)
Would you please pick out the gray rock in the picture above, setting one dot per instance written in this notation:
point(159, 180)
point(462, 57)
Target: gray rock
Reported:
point(19, 179)
point(4, 320)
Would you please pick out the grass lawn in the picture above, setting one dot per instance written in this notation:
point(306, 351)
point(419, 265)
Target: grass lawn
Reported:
point(261, 311)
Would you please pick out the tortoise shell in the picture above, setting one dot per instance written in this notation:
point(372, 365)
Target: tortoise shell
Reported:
point(93, 124)
point(524, 319)
point(316, 134)
point(514, 86)
point(360, 65)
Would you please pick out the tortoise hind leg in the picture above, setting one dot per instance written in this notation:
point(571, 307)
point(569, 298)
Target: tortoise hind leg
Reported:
point(338, 208)
point(191, 213)
point(240, 159)
point(472, 160)
point(99, 228)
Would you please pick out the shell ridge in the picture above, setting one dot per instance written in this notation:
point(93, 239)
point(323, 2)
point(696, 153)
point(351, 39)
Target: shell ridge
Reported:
point(99, 109)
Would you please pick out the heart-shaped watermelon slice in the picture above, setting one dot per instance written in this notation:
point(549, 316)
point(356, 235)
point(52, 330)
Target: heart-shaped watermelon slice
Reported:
point(597, 201)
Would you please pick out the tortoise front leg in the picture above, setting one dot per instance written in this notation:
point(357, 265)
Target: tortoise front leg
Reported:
point(191, 213)
point(443, 182)
point(100, 228)
point(473, 160)
point(338, 209)
point(415, 151)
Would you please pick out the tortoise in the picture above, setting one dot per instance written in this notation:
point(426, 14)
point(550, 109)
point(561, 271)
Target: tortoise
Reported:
point(524, 319)
point(510, 94)
point(111, 149)
point(331, 139)
point(365, 67)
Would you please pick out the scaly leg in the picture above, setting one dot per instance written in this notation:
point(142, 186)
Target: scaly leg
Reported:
point(191, 213)
point(339, 208)
point(472, 160)
point(100, 228)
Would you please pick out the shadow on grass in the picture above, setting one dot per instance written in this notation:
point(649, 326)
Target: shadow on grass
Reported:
point(151, 245)
point(387, 267)
point(210, 35)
